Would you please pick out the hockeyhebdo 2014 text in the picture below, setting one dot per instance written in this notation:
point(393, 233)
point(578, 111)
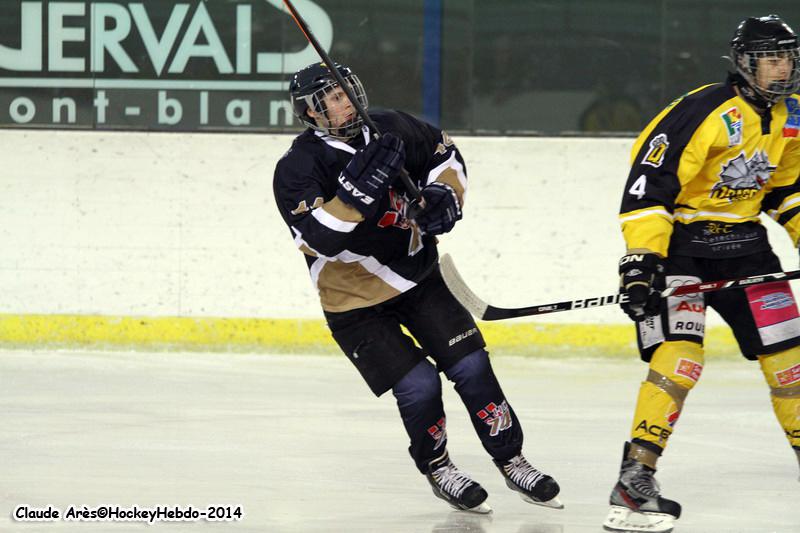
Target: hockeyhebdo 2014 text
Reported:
point(116, 513)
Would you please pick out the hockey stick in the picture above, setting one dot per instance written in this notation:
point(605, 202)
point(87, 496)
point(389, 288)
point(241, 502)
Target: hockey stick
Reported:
point(417, 202)
point(485, 311)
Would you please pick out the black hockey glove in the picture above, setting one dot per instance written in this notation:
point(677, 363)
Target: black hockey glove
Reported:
point(366, 178)
point(442, 209)
point(642, 278)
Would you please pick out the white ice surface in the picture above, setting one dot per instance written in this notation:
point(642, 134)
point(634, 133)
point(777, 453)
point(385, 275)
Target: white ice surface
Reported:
point(301, 444)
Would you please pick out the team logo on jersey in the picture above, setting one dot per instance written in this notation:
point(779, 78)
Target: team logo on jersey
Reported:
point(658, 148)
point(438, 432)
point(742, 179)
point(733, 123)
point(395, 216)
point(792, 126)
point(496, 416)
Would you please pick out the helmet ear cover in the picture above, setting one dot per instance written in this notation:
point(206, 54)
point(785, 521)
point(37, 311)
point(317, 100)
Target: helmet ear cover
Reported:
point(308, 89)
point(758, 40)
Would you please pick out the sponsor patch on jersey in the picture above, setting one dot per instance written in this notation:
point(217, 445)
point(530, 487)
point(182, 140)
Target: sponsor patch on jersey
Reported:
point(788, 376)
point(690, 369)
point(650, 332)
point(733, 124)
point(771, 303)
point(774, 312)
point(742, 178)
point(687, 313)
point(672, 415)
point(792, 126)
point(776, 300)
point(658, 148)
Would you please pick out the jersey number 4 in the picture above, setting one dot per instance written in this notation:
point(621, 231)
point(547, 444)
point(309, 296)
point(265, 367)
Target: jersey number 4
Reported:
point(638, 187)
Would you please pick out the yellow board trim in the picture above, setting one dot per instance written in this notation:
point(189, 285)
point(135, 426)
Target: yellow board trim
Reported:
point(286, 335)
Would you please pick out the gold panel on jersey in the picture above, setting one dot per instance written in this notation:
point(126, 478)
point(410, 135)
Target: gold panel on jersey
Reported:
point(346, 286)
point(337, 208)
point(450, 177)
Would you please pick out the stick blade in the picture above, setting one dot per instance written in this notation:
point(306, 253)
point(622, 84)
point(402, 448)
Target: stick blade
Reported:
point(459, 289)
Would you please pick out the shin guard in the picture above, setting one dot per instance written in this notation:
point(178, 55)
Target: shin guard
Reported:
point(782, 371)
point(419, 399)
point(674, 370)
point(492, 417)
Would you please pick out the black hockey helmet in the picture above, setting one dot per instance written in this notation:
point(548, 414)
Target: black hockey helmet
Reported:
point(766, 37)
point(307, 90)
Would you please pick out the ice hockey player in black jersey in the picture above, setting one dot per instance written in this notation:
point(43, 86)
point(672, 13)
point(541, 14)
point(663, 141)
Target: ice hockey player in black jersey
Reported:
point(701, 173)
point(337, 189)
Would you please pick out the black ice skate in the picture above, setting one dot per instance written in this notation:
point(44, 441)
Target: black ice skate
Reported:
point(533, 486)
point(636, 502)
point(456, 487)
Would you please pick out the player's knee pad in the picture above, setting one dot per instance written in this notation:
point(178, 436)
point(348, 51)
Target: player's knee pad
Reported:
point(674, 370)
point(420, 385)
point(782, 371)
point(473, 366)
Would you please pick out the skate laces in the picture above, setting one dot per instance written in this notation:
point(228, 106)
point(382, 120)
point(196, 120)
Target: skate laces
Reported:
point(521, 472)
point(451, 480)
point(643, 482)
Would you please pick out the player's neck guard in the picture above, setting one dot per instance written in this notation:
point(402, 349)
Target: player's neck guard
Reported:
point(748, 93)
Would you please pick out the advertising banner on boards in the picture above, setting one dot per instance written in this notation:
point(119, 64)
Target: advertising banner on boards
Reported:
point(182, 65)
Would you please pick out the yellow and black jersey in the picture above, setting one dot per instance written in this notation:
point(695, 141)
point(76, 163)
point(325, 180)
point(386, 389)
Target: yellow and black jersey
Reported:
point(356, 263)
point(704, 169)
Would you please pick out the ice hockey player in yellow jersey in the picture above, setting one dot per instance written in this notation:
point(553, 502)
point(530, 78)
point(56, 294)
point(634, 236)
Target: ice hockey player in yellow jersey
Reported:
point(701, 173)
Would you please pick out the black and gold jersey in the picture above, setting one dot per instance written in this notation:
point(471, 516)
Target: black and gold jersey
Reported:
point(704, 169)
point(356, 263)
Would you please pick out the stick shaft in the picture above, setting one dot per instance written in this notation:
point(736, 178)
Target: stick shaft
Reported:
point(485, 311)
point(410, 186)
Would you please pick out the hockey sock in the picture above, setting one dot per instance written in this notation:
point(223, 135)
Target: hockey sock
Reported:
point(674, 370)
point(782, 371)
point(492, 417)
point(419, 399)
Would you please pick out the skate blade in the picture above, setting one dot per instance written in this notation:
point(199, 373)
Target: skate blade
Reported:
point(627, 520)
point(481, 508)
point(554, 503)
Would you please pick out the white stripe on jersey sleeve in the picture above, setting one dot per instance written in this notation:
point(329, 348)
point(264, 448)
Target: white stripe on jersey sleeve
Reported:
point(660, 211)
point(331, 222)
point(453, 163)
point(787, 203)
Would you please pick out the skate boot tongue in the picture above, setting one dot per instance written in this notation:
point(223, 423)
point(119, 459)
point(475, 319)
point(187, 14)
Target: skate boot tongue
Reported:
point(456, 487)
point(532, 485)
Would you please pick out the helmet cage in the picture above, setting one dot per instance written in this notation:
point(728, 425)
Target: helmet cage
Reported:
point(317, 102)
point(747, 64)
